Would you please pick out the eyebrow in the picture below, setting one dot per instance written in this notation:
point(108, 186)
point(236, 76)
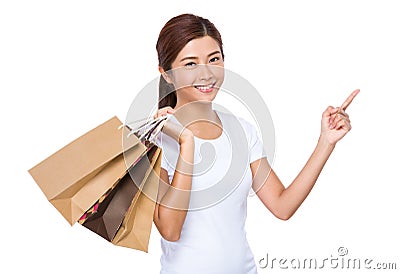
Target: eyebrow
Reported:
point(193, 57)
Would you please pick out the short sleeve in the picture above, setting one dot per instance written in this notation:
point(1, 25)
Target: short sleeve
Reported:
point(159, 142)
point(256, 147)
point(169, 152)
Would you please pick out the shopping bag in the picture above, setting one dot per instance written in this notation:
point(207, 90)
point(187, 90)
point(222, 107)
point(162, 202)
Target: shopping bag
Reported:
point(136, 227)
point(124, 215)
point(106, 216)
point(76, 176)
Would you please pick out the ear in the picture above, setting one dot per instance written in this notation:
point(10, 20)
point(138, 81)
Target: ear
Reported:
point(165, 75)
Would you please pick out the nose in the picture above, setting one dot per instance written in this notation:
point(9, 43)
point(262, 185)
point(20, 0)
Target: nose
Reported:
point(205, 73)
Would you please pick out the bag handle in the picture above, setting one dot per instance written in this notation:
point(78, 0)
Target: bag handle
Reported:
point(148, 130)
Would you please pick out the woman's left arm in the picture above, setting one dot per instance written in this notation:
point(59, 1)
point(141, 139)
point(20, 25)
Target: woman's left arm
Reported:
point(283, 202)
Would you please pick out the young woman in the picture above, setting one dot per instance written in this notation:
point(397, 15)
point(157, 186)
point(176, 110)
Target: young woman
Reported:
point(203, 232)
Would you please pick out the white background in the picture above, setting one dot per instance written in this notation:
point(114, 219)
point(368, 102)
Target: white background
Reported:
point(66, 67)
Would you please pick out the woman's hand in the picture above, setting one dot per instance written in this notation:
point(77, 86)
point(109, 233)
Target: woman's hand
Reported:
point(335, 121)
point(176, 131)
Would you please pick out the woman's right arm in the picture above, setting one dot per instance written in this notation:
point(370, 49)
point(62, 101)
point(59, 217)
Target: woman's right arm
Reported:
point(173, 197)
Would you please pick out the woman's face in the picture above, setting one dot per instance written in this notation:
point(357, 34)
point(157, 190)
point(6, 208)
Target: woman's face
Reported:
point(198, 71)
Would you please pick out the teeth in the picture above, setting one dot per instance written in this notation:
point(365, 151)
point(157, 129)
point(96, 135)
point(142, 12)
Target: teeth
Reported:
point(204, 88)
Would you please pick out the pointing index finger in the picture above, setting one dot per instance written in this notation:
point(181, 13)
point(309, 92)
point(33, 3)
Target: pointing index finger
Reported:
point(349, 99)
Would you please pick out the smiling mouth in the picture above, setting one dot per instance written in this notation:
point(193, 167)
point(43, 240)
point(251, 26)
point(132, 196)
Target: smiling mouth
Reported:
point(205, 88)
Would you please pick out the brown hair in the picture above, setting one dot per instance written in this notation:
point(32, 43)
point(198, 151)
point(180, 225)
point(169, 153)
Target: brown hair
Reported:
point(174, 36)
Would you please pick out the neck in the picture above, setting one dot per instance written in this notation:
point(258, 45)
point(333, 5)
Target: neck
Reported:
point(199, 110)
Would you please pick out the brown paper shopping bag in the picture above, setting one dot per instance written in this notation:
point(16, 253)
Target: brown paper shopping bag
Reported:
point(77, 175)
point(106, 216)
point(136, 227)
point(124, 215)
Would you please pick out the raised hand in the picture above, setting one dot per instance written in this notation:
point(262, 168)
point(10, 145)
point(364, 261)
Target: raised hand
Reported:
point(174, 130)
point(336, 122)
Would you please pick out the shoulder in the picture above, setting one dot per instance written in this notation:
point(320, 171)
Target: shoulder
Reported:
point(165, 142)
point(247, 126)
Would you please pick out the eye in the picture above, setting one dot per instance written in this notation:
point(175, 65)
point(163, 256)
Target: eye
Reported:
point(190, 64)
point(214, 59)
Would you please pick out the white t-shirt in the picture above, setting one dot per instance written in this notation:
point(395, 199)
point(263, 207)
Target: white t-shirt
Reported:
point(213, 237)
